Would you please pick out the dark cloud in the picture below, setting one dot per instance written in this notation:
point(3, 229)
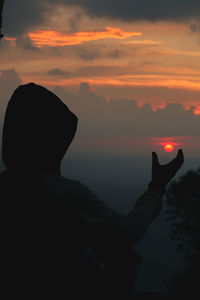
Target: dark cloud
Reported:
point(89, 71)
point(151, 10)
point(87, 54)
point(60, 73)
point(21, 16)
point(9, 80)
point(152, 94)
point(123, 117)
point(25, 42)
point(91, 52)
point(100, 70)
point(115, 54)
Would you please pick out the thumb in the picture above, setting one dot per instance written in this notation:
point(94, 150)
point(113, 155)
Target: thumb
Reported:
point(180, 157)
point(178, 160)
point(154, 158)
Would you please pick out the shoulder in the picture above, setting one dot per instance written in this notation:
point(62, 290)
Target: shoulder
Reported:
point(63, 186)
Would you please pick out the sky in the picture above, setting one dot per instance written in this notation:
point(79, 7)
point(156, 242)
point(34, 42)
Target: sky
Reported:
point(129, 69)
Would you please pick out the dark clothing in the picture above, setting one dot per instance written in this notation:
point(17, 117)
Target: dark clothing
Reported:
point(32, 217)
point(59, 218)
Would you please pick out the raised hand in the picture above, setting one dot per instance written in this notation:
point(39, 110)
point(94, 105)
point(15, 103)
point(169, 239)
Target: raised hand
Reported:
point(162, 174)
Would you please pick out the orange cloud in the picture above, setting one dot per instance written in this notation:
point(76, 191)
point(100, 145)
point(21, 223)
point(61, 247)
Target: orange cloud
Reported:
point(197, 110)
point(52, 38)
point(142, 42)
point(122, 81)
point(11, 40)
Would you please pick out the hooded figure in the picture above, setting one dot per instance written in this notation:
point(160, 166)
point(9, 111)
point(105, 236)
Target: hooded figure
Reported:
point(41, 209)
point(38, 130)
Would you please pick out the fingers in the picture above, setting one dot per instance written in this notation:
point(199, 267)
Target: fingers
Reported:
point(180, 157)
point(178, 160)
point(155, 158)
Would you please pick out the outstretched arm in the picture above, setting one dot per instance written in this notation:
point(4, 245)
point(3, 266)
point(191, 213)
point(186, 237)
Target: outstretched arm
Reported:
point(106, 225)
point(150, 203)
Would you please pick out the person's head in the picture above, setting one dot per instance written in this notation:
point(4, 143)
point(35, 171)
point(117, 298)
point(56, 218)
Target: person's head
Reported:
point(38, 129)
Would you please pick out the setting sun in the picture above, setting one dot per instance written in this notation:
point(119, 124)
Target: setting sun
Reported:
point(168, 147)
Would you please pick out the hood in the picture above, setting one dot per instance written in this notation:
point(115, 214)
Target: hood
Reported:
point(38, 129)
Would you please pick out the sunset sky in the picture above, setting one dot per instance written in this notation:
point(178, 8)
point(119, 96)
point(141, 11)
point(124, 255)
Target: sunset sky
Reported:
point(147, 52)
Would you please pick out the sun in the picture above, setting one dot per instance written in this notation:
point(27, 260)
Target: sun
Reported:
point(168, 147)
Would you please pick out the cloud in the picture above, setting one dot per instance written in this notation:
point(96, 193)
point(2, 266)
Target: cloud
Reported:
point(87, 54)
point(151, 10)
point(116, 124)
point(60, 73)
point(124, 117)
point(115, 54)
point(42, 38)
point(140, 74)
point(120, 117)
point(88, 72)
point(9, 80)
point(142, 42)
point(25, 42)
point(155, 95)
point(124, 127)
point(21, 17)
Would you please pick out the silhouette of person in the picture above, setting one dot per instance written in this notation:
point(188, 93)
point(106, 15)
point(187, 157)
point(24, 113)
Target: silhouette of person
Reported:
point(90, 246)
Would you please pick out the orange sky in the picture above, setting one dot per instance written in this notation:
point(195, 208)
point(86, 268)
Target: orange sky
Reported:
point(115, 57)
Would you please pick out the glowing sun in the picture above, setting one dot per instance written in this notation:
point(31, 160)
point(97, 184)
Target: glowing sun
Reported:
point(168, 147)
